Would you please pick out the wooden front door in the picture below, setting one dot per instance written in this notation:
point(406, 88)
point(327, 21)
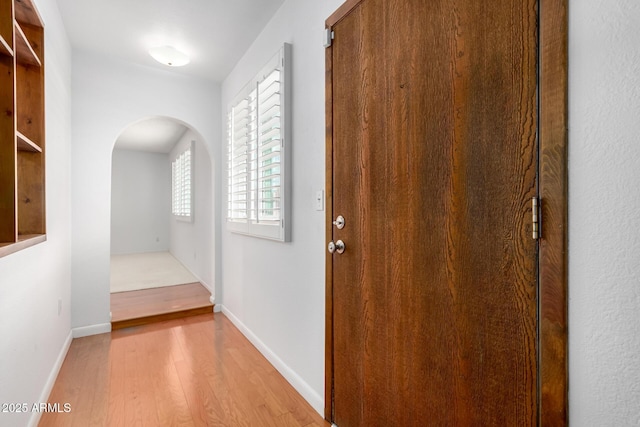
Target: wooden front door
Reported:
point(432, 150)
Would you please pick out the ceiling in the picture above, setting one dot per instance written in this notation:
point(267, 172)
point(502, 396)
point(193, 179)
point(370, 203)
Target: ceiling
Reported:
point(214, 33)
point(156, 135)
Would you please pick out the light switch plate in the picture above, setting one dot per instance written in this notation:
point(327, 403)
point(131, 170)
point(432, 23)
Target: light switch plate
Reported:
point(320, 200)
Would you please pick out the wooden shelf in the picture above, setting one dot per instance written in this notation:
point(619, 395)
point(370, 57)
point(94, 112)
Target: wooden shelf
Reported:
point(25, 53)
point(22, 158)
point(27, 13)
point(6, 28)
point(24, 241)
point(25, 144)
point(31, 238)
point(5, 48)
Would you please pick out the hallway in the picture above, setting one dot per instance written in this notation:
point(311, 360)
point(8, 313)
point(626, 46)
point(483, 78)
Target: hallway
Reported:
point(195, 371)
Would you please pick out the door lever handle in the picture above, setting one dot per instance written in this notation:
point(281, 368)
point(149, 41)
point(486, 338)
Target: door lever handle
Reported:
point(338, 247)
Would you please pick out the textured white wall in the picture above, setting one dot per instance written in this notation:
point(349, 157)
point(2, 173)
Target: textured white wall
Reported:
point(33, 335)
point(188, 240)
point(276, 290)
point(604, 207)
point(140, 202)
point(108, 95)
point(279, 297)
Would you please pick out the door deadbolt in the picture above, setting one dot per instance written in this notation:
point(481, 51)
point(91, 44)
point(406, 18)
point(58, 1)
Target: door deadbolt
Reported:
point(339, 222)
point(336, 247)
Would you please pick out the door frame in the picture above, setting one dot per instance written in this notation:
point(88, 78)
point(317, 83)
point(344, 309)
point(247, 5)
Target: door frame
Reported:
point(552, 186)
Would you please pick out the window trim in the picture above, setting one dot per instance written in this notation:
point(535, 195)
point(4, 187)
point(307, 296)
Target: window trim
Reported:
point(252, 227)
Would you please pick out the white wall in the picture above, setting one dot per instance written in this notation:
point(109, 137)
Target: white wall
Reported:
point(604, 208)
point(275, 291)
point(33, 335)
point(140, 202)
point(108, 95)
point(187, 242)
point(286, 310)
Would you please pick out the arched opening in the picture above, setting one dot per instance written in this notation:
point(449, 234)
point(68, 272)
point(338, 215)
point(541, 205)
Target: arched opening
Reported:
point(162, 220)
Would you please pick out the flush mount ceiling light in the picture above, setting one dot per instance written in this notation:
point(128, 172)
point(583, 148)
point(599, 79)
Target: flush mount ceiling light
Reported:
point(169, 55)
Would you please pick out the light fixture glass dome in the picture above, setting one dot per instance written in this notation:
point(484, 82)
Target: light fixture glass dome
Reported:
point(169, 55)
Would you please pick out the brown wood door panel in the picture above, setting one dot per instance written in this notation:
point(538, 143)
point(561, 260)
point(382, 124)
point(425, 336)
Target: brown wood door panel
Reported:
point(434, 165)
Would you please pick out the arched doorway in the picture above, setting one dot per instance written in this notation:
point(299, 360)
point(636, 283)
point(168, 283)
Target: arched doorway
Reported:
point(161, 246)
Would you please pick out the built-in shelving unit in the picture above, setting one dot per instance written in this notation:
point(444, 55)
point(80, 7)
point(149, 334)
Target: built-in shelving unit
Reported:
point(22, 131)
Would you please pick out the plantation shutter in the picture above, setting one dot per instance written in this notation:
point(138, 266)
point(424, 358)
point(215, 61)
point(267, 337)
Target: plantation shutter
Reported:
point(181, 177)
point(242, 168)
point(269, 148)
point(256, 162)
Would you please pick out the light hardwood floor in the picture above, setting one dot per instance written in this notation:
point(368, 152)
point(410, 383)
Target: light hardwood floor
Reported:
point(136, 308)
point(195, 371)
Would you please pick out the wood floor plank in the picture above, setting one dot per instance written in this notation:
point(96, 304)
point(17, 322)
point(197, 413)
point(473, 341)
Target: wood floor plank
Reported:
point(101, 381)
point(171, 404)
point(204, 409)
point(139, 408)
point(195, 371)
point(117, 389)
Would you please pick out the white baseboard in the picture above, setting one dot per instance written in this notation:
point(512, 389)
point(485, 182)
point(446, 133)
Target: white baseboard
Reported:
point(212, 298)
point(308, 393)
point(85, 331)
point(51, 380)
point(206, 285)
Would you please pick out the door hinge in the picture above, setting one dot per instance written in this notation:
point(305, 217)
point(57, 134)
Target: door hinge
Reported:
point(535, 218)
point(328, 37)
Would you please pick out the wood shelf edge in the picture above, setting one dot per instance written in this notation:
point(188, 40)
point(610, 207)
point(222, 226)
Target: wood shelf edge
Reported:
point(26, 144)
point(5, 48)
point(25, 53)
point(24, 241)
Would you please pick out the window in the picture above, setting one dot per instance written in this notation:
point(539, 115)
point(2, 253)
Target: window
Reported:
point(181, 184)
point(258, 141)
